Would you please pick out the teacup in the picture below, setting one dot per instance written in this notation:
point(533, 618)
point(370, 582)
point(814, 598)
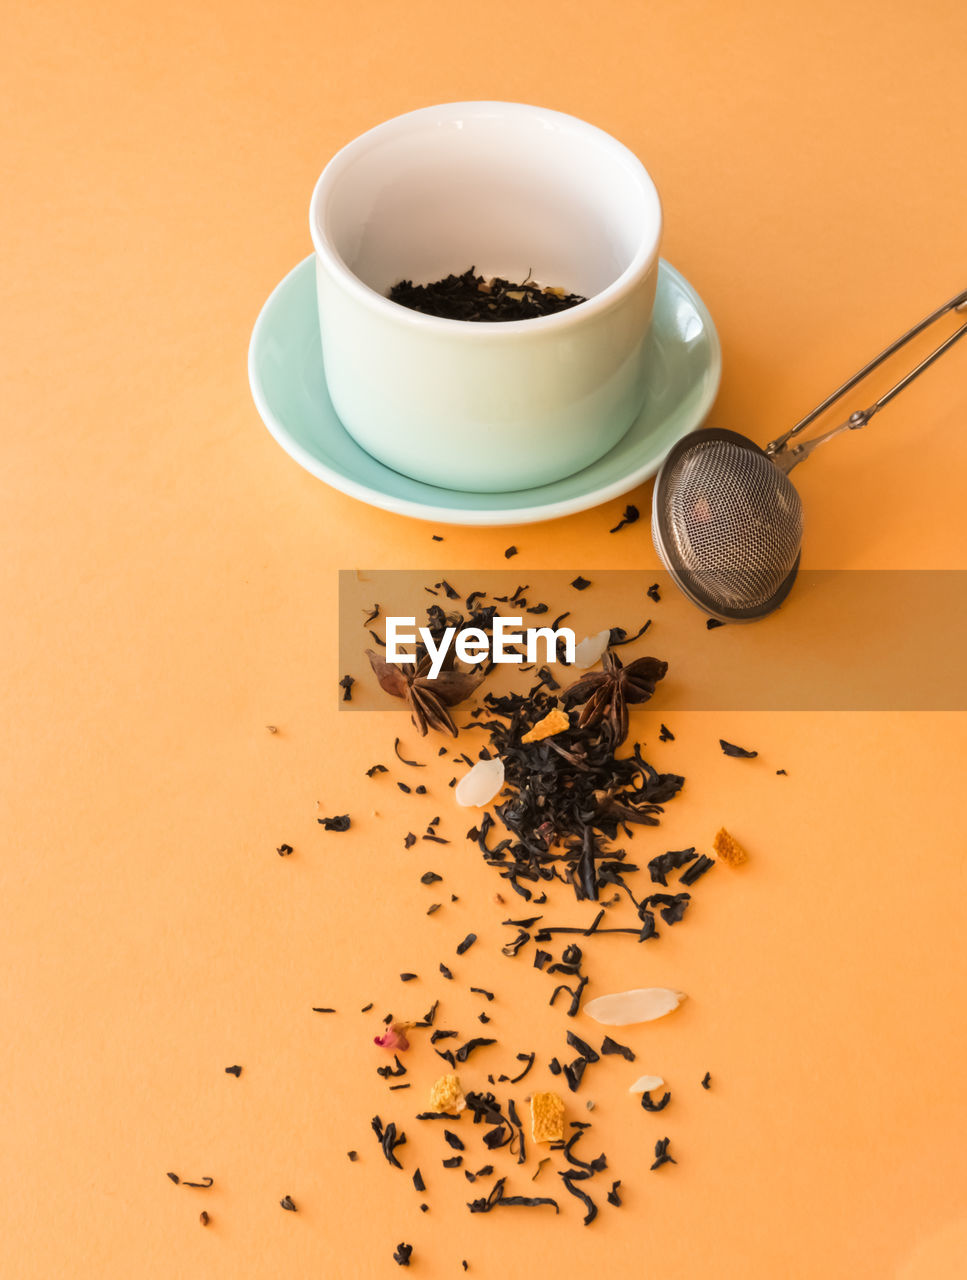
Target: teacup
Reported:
point(514, 191)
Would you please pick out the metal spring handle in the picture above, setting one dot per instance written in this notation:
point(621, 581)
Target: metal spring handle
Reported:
point(786, 458)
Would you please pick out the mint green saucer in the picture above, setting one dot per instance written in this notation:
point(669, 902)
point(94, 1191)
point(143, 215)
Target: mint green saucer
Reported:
point(288, 382)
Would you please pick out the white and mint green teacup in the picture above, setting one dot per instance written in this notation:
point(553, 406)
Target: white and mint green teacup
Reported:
point(511, 190)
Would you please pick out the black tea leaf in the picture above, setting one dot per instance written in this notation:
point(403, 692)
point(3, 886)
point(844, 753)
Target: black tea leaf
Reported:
point(740, 753)
point(631, 514)
point(612, 1046)
point(340, 823)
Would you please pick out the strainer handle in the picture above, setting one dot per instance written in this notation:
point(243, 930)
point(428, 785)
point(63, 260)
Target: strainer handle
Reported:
point(861, 417)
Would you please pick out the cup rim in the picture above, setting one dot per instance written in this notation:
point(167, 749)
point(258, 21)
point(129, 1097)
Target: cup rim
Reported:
point(646, 255)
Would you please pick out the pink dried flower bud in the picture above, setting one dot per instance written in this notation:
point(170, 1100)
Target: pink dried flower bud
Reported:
point(393, 1038)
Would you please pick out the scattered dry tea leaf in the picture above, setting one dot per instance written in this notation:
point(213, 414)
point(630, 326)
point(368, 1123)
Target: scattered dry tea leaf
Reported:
point(447, 1095)
point(643, 1004)
point(728, 849)
point(556, 721)
point(547, 1117)
point(645, 1084)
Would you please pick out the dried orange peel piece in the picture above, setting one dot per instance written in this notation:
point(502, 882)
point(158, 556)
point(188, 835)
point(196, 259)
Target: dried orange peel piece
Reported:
point(446, 1094)
point(547, 1117)
point(555, 721)
point(728, 849)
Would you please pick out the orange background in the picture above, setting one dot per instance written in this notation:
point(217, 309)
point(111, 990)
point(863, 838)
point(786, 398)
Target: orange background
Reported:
point(169, 588)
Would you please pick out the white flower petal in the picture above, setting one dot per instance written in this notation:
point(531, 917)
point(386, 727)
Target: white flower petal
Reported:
point(590, 649)
point(479, 785)
point(645, 1084)
point(640, 1005)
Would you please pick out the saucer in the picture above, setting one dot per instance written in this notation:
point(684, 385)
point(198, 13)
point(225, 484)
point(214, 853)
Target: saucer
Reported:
point(288, 381)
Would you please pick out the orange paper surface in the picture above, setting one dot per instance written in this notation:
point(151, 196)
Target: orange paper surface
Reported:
point(169, 589)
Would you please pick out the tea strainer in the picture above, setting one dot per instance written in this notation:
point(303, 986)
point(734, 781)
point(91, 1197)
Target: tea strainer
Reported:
point(726, 519)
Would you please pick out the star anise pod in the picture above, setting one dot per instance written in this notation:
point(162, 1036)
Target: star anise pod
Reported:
point(427, 699)
point(607, 693)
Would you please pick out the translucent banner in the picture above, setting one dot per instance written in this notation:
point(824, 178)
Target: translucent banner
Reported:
point(845, 640)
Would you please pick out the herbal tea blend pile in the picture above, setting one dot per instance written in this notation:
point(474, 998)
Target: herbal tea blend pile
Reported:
point(559, 791)
point(560, 787)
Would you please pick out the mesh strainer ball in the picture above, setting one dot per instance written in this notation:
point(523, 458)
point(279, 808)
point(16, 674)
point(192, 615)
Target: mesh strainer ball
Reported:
point(726, 519)
point(727, 524)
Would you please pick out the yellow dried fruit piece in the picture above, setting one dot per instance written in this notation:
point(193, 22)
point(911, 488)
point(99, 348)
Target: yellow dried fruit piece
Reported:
point(446, 1095)
point(555, 721)
point(728, 849)
point(547, 1117)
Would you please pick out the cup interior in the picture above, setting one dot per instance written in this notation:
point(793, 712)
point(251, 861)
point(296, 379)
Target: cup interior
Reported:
point(506, 188)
